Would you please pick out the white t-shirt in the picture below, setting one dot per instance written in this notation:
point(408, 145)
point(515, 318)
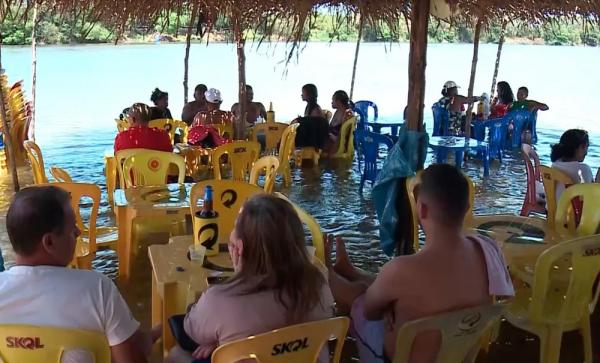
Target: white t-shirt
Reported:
point(66, 298)
point(578, 171)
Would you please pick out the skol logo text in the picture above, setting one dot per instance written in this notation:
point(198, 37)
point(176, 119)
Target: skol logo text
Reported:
point(24, 343)
point(290, 347)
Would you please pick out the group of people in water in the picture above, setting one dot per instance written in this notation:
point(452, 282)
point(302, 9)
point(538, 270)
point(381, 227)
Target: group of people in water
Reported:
point(318, 128)
point(503, 103)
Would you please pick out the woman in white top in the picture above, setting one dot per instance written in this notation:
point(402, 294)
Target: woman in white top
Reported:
point(569, 153)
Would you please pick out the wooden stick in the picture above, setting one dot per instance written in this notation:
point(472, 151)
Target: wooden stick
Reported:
point(498, 55)
point(33, 70)
point(417, 64)
point(186, 60)
point(7, 139)
point(473, 72)
point(360, 31)
point(240, 123)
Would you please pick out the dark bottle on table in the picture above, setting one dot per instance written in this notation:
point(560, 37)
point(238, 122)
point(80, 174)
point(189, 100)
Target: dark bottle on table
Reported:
point(207, 210)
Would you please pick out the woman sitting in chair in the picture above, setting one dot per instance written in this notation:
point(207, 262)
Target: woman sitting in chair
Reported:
point(568, 156)
point(274, 285)
point(161, 105)
point(343, 112)
point(139, 135)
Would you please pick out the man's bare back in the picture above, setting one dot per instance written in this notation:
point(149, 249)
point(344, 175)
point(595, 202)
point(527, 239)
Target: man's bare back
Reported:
point(433, 281)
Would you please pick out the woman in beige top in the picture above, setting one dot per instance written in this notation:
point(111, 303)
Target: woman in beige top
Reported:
point(275, 284)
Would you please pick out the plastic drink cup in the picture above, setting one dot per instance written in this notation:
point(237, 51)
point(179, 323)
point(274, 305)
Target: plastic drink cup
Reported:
point(197, 253)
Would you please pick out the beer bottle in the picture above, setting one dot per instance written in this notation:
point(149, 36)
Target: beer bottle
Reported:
point(207, 207)
point(271, 113)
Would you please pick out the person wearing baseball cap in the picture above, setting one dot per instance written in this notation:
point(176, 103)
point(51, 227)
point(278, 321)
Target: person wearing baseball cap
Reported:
point(213, 114)
point(453, 102)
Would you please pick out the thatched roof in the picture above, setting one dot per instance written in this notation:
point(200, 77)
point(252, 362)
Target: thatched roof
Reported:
point(295, 15)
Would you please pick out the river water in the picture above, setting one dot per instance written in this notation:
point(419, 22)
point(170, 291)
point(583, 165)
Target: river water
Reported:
point(82, 89)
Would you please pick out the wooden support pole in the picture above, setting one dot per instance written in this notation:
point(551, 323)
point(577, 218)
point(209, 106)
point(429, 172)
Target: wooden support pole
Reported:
point(240, 123)
point(473, 73)
point(498, 56)
point(417, 63)
point(9, 149)
point(358, 41)
point(186, 60)
point(33, 70)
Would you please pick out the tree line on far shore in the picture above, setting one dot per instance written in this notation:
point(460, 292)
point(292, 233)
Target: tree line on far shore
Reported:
point(83, 28)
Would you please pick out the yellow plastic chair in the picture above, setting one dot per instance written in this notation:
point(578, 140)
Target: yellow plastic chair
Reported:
point(551, 177)
point(346, 141)
point(273, 132)
point(461, 333)
point(224, 130)
point(229, 196)
point(36, 159)
point(170, 126)
point(268, 166)
point(122, 125)
point(105, 236)
point(305, 342)
point(553, 304)
point(412, 184)
point(286, 150)
point(26, 343)
point(60, 175)
point(313, 226)
point(308, 153)
point(240, 155)
point(151, 168)
point(590, 216)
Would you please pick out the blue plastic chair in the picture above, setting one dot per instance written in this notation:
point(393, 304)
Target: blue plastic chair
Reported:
point(498, 132)
point(440, 120)
point(533, 124)
point(362, 108)
point(521, 119)
point(1, 262)
point(369, 146)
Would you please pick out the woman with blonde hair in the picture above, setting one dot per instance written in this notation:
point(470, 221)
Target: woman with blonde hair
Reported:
point(274, 285)
point(139, 135)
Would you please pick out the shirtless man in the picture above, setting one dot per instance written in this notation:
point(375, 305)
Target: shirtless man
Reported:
point(192, 108)
point(253, 109)
point(213, 113)
point(449, 273)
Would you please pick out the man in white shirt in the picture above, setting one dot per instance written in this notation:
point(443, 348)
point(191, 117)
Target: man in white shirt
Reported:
point(41, 291)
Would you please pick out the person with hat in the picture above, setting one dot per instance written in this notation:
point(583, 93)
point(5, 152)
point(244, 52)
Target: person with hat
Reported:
point(453, 102)
point(213, 114)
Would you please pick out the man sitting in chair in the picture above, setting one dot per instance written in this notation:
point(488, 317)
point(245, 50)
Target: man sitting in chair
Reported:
point(451, 272)
point(40, 290)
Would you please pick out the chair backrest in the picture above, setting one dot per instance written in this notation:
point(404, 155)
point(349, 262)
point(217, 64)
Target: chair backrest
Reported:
point(268, 166)
point(590, 215)
point(273, 132)
point(346, 140)
point(362, 108)
point(60, 175)
point(120, 157)
point(229, 196)
point(288, 142)
point(412, 184)
point(300, 343)
point(240, 155)
point(532, 166)
point(26, 343)
point(369, 143)
point(36, 159)
point(170, 126)
point(327, 115)
point(224, 130)
point(313, 226)
point(151, 168)
point(578, 299)
point(551, 177)
point(440, 120)
point(461, 333)
point(122, 125)
point(498, 131)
